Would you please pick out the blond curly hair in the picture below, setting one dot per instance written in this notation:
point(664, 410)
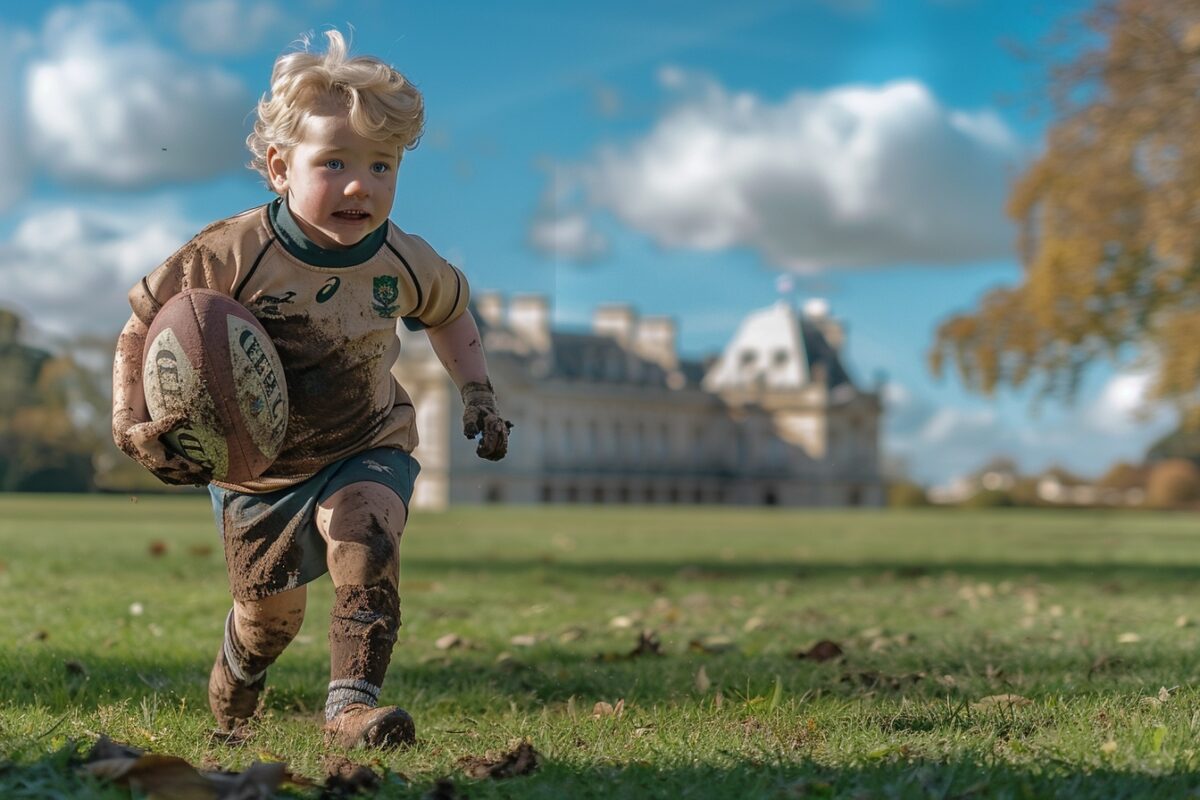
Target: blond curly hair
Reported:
point(383, 105)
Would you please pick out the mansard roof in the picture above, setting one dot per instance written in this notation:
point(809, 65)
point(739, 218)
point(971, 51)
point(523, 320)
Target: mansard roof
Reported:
point(780, 348)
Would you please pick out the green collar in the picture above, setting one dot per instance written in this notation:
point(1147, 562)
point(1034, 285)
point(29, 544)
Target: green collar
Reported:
point(303, 248)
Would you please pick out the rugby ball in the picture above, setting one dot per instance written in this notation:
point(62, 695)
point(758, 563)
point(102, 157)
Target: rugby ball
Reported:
point(210, 360)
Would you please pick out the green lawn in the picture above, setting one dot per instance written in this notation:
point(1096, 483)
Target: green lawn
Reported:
point(111, 610)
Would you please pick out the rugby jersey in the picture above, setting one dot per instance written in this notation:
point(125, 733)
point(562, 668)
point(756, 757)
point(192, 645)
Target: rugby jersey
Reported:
point(332, 315)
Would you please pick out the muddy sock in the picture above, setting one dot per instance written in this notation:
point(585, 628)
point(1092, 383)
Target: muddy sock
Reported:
point(246, 667)
point(362, 632)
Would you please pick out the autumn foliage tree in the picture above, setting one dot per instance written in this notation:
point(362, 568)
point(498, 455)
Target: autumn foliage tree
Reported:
point(1109, 220)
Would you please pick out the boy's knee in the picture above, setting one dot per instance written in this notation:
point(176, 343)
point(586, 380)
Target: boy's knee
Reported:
point(265, 629)
point(362, 524)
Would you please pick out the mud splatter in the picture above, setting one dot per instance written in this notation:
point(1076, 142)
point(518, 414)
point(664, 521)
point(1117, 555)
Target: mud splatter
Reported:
point(261, 550)
point(362, 631)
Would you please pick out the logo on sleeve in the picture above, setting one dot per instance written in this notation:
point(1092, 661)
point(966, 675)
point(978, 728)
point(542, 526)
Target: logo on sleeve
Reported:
point(387, 290)
point(329, 289)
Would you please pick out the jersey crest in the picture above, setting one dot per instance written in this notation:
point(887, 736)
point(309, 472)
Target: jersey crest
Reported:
point(386, 289)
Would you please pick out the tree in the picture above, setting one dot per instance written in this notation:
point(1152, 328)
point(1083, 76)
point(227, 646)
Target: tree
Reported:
point(1109, 220)
point(46, 443)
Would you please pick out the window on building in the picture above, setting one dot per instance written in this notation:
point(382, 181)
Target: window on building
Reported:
point(622, 494)
point(547, 493)
point(648, 494)
point(598, 494)
point(673, 494)
point(780, 358)
point(697, 495)
point(572, 493)
point(770, 498)
point(494, 494)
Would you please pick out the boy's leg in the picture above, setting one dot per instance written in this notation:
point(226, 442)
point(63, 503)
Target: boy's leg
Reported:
point(256, 632)
point(362, 524)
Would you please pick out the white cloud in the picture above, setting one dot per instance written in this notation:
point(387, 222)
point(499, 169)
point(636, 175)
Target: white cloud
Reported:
point(567, 236)
point(109, 107)
point(853, 176)
point(67, 269)
point(230, 27)
point(938, 444)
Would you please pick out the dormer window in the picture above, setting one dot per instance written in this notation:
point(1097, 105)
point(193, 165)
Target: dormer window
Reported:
point(747, 358)
point(781, 358)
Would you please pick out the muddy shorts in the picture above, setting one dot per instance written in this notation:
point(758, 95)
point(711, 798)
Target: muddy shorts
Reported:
point(271, 540)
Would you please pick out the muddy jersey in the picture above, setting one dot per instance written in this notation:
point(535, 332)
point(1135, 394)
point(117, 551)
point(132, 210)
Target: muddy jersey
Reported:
point(332, 315)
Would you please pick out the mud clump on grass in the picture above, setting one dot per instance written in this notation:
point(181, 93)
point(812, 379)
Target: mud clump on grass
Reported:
point(344, 778)
point(521, 760)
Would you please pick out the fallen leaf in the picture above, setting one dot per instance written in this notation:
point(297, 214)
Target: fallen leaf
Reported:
point(157, 548)
point(1184, 621)
point(1109, 747)
point(1129, 638)
point(621, 622)
point(703, 684)
point(823, 650)
point(164, 777)
point(754, 624)
point(603, 709)
point(523, 640)
point(522, 760)
point(571, 635)
point(449, 642)
point(136, 609)
point(1104, 663)
point(1004, 701)
point(201, 550)
point(648, 644)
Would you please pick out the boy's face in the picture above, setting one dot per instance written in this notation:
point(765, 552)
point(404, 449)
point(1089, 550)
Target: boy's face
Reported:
point(339, 185)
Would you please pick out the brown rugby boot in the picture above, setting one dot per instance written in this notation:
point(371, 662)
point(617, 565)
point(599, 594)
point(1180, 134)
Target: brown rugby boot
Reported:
point(384, 727)
point(233, 702)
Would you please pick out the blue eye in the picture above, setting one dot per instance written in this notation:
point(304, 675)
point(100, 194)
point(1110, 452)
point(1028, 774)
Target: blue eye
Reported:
point(334, 164)
point(379, 168)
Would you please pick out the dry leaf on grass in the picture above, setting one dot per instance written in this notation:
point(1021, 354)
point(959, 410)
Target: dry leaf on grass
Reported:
point(603, 709)
point(648, 644)
point(450, 641)
point(823, 650)
point(521, 760)
point(1001, 701)
point(163, 777)
point(524, 640)
point(1129, 638)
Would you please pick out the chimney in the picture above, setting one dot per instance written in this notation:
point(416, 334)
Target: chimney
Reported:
point(616, 320)
point(529, 317)
point(490, 306)
point(816, 311)
point(655, 341)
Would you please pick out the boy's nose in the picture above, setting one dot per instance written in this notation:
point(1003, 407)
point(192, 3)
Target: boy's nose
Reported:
point(356, 187)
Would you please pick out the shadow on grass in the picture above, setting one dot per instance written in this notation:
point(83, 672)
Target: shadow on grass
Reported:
point(475, 683)
point(29, 774)
point(1106, 575)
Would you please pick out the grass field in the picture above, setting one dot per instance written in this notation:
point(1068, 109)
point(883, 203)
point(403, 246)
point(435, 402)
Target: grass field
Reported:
point(111, 610)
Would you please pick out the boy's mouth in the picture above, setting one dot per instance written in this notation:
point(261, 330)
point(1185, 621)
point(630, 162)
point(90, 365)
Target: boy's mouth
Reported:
point(352, 215)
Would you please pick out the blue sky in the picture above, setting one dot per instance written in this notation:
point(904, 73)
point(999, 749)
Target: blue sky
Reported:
point(682, 157)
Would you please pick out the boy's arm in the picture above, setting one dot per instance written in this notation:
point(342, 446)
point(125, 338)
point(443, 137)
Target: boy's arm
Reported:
point(458, 346)
point(133, 432)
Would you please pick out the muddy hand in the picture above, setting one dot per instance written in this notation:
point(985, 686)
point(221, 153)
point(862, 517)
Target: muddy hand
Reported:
point(481, 417)
point(143, 443)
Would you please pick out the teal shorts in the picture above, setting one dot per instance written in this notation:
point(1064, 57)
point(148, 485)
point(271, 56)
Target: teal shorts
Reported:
point(271, 540)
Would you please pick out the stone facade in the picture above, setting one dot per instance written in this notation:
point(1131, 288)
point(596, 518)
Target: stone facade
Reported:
point(615, 416)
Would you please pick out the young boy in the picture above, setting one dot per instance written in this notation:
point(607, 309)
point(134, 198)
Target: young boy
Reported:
point(328, 275)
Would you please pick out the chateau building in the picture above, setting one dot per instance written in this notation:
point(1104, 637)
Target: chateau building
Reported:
point(614, 415)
